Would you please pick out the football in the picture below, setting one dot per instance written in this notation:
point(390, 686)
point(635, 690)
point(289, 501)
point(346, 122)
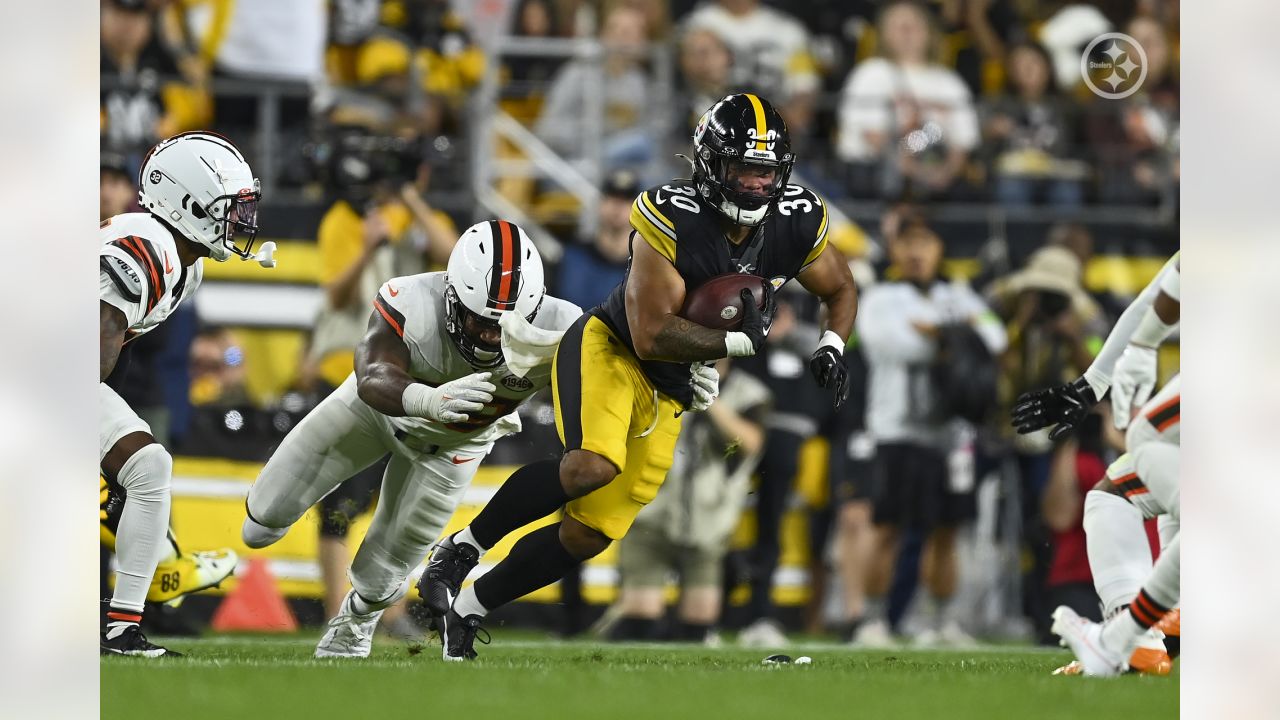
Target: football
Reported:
point(717, 303)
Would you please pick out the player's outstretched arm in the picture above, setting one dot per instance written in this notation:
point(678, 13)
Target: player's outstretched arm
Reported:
point(382, 368)
point(111, 327)
point(655, 293)
point(383, 381)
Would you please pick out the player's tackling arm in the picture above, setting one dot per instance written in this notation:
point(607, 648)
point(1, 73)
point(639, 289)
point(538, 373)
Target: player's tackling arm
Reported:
point(655, 293)
point(111, 327)
point(382, 368)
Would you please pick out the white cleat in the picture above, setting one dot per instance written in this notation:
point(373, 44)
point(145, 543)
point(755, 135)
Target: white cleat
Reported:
point(953, 636)
point(348, 635)
point(762, 634)
point(1084, 637)
point(874, 635)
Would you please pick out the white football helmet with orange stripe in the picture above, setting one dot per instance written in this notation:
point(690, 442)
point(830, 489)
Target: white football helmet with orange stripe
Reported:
point(494, 268)
point(199, 184)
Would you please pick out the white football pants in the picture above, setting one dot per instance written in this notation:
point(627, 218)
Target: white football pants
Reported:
point(420, 489)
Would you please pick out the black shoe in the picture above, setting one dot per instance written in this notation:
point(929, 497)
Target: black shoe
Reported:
point(458, 635)
point(132, 642)
point(447, 568)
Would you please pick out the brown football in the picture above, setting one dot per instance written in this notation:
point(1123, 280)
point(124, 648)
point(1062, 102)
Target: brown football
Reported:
point(717, 303)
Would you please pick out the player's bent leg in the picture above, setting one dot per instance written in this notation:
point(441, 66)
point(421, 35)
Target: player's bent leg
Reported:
point(530, 494)
point(1119, 554)
point(417, 500)
point(143, 469)
point(332, 443)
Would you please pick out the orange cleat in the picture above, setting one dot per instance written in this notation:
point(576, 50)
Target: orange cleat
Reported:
point(1171, 623)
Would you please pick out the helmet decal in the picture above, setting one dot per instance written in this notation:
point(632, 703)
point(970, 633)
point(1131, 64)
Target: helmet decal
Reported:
point(504, 282)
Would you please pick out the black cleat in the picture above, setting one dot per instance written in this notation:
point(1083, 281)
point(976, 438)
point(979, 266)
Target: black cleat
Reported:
point(133, 643)
point(447, 568)
point(458, 635)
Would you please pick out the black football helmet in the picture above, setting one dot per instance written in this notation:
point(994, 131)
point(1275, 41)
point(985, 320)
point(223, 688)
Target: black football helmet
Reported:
point(741, 134)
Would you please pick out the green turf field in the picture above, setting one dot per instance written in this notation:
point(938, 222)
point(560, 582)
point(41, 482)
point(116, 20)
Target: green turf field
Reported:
point(275, 678)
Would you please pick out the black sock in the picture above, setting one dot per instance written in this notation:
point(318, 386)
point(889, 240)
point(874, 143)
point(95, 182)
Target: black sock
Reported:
point(692, 632)
point(536, 561)
point(635, 628)
point(531, 493)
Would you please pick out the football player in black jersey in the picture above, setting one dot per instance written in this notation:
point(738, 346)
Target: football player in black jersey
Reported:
point(625, 372)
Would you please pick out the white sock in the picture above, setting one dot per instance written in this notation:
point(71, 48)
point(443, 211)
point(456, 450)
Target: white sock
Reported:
point(1121, 634)
point(1119, 553)
point(937, 610)
point(464, 536)
point(142, 537)
point(466, 604)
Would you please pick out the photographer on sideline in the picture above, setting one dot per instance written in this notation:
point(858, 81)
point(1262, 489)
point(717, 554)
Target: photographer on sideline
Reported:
point(1055, 328)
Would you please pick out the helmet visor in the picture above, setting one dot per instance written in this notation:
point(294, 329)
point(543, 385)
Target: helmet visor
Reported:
point(240, 225)
point(751, 179)
point(485, 334)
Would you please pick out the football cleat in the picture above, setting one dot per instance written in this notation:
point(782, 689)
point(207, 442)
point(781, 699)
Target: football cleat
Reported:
point(1171, 626)
point(447, 568)
point(1084, 638)
point(763, 633)
point(127, 639)
point(1149, 658)
point(349, 634)
point(190, 573)
point(458, 635)
point(874, 635)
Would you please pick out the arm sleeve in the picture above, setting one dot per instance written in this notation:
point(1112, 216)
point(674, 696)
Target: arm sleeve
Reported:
point(130, 277)
point(885, 334)
point(121, 288)
point(1099, 373)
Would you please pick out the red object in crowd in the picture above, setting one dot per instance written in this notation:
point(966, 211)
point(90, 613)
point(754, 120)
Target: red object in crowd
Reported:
point(1070, 555)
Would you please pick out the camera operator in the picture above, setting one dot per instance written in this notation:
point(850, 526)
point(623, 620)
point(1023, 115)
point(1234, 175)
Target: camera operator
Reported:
point(1055, 328)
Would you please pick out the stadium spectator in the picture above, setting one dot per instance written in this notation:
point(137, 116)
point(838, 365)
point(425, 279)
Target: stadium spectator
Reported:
point(1054, 330)
point(1078, 463)
point(143, 98)
point(705, 63)
point(627, 139)
point(851, 471)
point(771, 56)
point(907, 123)
point(798, 410)
point(217, 369)
point(527, 77)
point(116, 191)
point(899, 323)
point(686, 529)
point(590, 270)
point(1030, 133)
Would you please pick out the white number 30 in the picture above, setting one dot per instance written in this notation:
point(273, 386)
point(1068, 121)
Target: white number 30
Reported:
point(786, 206)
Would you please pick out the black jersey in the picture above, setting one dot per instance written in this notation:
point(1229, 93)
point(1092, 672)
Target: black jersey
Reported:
point(687, 230)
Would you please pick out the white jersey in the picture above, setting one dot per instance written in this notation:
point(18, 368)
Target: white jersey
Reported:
point(139, 272)
point(414, 307)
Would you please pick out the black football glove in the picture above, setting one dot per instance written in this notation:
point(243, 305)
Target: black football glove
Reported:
point(756, 321)
point(1064, 406)
point(827, 366)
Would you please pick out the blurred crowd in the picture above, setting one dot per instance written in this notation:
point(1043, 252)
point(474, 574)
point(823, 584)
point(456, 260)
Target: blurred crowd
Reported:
point(916, 487)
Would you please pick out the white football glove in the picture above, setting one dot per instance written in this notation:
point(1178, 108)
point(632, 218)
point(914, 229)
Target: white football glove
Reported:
point(452, 401)
point(706, 386)
point(1132, 382)
point(524, 346)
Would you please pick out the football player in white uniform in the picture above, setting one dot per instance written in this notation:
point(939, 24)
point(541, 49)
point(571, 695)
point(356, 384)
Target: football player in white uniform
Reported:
point(1141, 484)
point(200, 199)
point(432, 387)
